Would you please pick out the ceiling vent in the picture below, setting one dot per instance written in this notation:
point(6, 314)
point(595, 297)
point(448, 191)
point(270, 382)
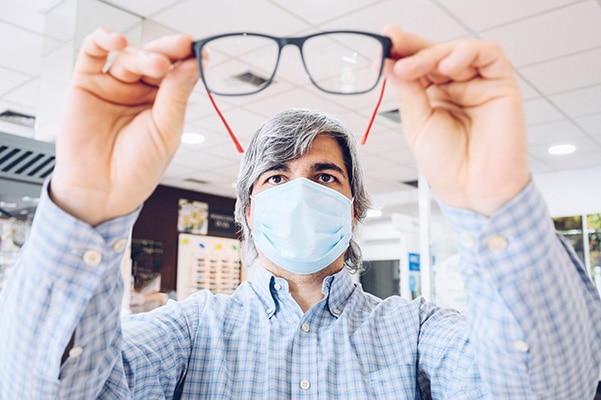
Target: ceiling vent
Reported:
point(18, 118)
point(392, 115)
point(197, 181)
point(413, 183)
point(249, 77)
point(24, 159)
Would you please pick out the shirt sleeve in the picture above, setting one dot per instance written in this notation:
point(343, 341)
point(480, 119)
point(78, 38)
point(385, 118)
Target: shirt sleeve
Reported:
point(532, 311)
point(66, 282)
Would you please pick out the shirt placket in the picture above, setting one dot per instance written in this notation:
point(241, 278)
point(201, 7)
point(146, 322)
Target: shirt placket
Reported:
point(305, 368)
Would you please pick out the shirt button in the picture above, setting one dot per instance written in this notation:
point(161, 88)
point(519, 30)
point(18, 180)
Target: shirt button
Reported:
point(497, 243)
point(467, 239)
point(75, 352)
point(305, 327)
point(336, 311)
point(305, 384)
point(119, 245)
point(277, 286)
point(520, 345)
point(269, 310)
point(92, 257)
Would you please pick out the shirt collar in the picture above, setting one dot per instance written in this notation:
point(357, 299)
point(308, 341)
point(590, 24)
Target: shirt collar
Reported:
point(336, 289)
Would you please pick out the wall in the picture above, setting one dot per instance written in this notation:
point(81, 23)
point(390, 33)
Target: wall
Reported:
point(158, 222)
point(572, 192)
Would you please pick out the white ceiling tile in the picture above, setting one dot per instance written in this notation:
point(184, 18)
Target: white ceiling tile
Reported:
point(584, 70)
point(11, 79)
point(318, 11)
point(24, 14)
point(579, 102)
point(242, 122)
point(96, 14)
point(57, 64)
point(421, 17)
point(552, 132)
point(201, 19)
point(22, 55)
point(143, 8)
point(540, 111)
point(591, 124)
point(550, 35)
point(528, 91)
point(201, 159)
point(479, 15)
point(296, 98)
point(590, 159)
point(26, 95)
point(61, 21)
point(537, 166)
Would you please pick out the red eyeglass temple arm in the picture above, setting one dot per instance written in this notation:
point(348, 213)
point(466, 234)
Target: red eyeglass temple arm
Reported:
point(227, 126)
point(374, 113)
point(239, 146)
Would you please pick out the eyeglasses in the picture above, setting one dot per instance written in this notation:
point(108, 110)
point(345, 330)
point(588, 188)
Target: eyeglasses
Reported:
point(336, 62)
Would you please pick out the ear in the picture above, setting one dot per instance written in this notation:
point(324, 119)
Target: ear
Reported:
point(249, 215)
point(355, 219)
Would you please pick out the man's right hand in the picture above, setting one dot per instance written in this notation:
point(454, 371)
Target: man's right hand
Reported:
point(120, 128)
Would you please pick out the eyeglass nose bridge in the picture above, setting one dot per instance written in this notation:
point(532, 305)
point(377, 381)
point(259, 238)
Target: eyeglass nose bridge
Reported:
point(297, 42)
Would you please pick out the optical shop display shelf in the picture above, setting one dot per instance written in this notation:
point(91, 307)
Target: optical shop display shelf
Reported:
point(207, 262)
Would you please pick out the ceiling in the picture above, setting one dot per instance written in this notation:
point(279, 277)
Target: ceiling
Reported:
point(555, 46)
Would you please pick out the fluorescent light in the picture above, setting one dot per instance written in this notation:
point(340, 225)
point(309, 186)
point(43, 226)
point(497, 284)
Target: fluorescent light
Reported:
point(192, 138)
point(561, 149)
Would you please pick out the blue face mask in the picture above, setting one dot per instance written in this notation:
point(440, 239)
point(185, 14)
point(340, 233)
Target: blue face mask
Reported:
point(302, 226)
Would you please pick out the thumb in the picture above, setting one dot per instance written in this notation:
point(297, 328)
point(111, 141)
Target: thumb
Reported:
point(414, 104)
point(172, 98)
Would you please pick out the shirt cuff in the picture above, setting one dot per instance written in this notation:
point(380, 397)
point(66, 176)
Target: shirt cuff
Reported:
point(63, 243)
point(521, 229)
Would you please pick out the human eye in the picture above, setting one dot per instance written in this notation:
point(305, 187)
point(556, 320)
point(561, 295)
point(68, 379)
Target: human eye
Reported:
point(325, 178)
point(275, 179)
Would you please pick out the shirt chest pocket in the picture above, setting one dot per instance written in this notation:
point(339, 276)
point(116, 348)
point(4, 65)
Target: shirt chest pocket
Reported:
point(394, 382)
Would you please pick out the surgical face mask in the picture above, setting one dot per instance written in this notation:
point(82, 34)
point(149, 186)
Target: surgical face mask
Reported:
point(302, 226)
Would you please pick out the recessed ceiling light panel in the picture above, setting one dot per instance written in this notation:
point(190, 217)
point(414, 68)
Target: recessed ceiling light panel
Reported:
point(562, 149)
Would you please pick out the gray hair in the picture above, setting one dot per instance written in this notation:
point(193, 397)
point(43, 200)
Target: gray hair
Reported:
point(285, 137)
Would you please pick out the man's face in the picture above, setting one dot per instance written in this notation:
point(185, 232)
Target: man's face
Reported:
point(323, 164)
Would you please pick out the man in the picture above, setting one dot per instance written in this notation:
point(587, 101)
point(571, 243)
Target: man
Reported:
point(301, 329)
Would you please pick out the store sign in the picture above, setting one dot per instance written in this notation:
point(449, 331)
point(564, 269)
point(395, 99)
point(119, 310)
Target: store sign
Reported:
point(221, 223)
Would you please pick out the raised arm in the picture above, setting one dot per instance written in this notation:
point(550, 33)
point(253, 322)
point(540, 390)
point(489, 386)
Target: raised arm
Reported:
point(532, 313)
point(60, 329)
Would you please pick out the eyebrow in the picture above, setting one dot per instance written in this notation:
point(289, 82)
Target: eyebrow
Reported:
point(317, 167)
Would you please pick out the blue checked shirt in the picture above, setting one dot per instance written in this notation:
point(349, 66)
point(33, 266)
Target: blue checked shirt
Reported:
point(531, 330)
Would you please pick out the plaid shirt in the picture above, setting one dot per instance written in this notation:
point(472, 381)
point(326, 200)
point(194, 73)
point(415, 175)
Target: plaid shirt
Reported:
point(532, 326)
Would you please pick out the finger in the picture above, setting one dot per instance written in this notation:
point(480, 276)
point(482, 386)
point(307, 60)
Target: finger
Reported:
point(404, 43)
point(457, 60)
point(413, 101)
point(172, 98)
point(150, 63)
point(95, 49)
point(176, 47)
point(136, 64)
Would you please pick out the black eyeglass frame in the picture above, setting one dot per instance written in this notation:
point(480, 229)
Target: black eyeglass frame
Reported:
point(299, 41)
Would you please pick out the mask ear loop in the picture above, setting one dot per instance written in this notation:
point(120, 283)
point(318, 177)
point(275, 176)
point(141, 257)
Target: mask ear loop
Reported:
point(227, 126)
point(373, 114)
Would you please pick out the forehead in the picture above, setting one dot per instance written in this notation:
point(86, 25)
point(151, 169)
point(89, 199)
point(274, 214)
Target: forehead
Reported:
point(324, 150)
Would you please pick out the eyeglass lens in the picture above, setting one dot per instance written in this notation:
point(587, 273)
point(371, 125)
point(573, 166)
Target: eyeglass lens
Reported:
point(345, 63)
